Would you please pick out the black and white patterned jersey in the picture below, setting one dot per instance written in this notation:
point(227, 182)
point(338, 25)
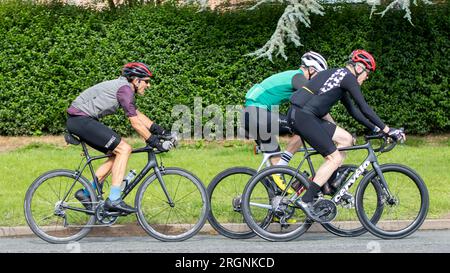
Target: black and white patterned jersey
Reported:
point(332, 85)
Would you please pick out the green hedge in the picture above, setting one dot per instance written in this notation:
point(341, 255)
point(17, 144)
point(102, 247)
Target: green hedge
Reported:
point(49, 54)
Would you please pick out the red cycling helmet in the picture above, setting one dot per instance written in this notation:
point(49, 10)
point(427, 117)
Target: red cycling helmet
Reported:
point(362, 56)
point(136, 70)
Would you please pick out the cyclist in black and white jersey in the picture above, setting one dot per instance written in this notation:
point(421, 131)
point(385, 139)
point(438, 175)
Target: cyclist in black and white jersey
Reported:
point(305, 116)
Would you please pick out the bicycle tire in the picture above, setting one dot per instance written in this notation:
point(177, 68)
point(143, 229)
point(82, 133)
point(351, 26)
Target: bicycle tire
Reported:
point(43, 232)
point(168, 232)
point(263, 231)
point(241, 230)
point(379, 229)
point(342, 231)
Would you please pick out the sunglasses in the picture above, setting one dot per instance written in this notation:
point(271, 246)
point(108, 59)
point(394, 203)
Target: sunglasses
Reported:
point(364, 69)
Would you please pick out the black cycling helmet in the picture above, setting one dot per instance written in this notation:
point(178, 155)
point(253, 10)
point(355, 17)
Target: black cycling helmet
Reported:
point(136, 70)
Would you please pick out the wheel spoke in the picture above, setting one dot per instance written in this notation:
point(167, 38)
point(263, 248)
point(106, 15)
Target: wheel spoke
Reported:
point(159, 217)
point(41, 210)
point(404, 210)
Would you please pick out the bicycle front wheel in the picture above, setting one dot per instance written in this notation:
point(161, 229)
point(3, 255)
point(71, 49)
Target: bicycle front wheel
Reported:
point(225, 194)
point(404, 198)
point(176, 219)
point(51, 210)
point(346, 223)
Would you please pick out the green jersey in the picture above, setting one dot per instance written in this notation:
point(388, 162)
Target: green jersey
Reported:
point(274, 90)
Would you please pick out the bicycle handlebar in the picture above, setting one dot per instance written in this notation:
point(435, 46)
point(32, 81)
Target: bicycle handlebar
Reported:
point(168, 137)
point(384, 148)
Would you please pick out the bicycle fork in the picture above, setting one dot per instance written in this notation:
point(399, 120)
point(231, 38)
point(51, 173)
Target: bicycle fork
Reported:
point(163, 186)
point(389, 197)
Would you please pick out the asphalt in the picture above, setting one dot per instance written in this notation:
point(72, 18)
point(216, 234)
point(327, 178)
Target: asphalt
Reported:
point(136, 230)
point(436, 241)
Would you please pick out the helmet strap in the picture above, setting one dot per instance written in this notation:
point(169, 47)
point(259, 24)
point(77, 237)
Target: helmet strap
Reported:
point(134, 85)
point(311, 74)
point(354, 69)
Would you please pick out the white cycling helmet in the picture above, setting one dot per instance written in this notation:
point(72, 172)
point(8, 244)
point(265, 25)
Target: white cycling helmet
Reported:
point(314, 60)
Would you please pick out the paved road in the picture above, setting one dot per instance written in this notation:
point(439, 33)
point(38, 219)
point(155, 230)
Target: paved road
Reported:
point(421, 241)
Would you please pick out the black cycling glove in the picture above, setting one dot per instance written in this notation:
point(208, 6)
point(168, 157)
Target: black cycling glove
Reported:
point(154, 142)
point(157, 130)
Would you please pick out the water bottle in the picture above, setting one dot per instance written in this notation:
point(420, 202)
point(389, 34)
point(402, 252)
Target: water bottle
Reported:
point(127, 179)
point(341, 178)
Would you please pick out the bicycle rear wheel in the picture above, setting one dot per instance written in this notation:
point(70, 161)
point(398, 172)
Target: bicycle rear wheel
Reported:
point(261, 203)
point(405, 202)
point(177, 221)
point(51, 210)
point(225, 195)
point(346, 223)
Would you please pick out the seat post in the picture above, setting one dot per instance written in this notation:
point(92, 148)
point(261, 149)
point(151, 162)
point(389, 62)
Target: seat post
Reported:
point(85, 150)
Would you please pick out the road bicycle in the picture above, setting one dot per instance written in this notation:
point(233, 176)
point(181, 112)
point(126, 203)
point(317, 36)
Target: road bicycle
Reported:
point(171, 203)
point(225, 196)
point(391, 200)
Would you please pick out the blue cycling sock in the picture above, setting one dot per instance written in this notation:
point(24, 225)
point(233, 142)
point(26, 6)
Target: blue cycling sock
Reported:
point(115, 193)
point(86, 192)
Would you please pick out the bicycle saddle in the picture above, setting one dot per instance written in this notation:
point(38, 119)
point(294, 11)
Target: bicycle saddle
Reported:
point(71, 139)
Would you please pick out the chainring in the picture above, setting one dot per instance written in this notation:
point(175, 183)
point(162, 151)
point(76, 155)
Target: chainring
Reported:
point(325, 209)
point(102, 217)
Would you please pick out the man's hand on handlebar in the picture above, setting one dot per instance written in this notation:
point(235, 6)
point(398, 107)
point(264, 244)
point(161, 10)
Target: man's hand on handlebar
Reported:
point(397, 134)
point(155, 129)
point(154, 142)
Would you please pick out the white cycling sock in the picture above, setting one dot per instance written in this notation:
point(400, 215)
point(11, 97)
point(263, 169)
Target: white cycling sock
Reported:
point(285, 158)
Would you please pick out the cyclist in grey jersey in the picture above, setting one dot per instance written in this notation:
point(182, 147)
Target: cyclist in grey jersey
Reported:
point(105, 99)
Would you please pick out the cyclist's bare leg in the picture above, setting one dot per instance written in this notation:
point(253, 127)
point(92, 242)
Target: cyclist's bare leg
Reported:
point(342, 138)
point(122, 153)
point(334, 160)
point(294, 144)
point(105, 169)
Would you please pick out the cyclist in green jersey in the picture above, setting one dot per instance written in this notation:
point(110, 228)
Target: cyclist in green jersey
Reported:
point(262, 123)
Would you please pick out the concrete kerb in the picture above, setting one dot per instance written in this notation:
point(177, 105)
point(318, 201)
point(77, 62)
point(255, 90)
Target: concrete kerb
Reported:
point(136, 230)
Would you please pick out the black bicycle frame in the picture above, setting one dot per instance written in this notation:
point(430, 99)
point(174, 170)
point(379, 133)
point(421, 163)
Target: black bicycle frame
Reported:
point(371, 159)
point(152, 163)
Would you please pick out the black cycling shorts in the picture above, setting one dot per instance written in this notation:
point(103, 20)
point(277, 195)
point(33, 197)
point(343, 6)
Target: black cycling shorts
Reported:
point(316, 131)
point(95, 134)
point(258, 125)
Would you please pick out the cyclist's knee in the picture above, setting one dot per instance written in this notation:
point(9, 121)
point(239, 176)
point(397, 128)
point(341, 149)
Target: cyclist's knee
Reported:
point(342, 137)
point(123, 148)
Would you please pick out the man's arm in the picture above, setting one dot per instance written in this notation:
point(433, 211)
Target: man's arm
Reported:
point(144, 119)
point(151, 125)
point(354, 90)
point(139, 126)
point(356, 113)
